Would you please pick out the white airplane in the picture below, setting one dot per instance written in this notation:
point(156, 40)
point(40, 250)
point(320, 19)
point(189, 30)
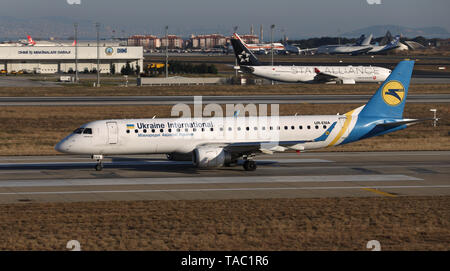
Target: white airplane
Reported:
point(294, 49)
point(248, 63)
point(265, 48)
point(219, 141)
point(358, 49)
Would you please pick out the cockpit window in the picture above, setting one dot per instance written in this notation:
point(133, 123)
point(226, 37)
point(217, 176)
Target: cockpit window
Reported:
point(78, 131)
point(87, 131)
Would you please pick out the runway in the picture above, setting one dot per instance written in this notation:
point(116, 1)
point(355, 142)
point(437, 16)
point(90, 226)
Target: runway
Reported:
point(244, 99)
point(308, 175)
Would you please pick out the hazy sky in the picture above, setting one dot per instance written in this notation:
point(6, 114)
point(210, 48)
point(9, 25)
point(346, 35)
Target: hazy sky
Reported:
point(297, 17)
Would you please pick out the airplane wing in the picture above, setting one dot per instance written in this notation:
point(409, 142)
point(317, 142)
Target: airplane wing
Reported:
point(268, 147)
point(361, 51)
point(322, 77)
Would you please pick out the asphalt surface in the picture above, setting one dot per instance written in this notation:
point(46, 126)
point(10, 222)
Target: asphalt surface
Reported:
point(318, 175)
point(170, 100)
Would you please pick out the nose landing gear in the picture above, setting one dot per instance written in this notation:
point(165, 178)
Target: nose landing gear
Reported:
point(99, 158)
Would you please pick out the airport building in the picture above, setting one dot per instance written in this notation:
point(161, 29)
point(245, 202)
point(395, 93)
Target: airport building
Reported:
point(61, 59)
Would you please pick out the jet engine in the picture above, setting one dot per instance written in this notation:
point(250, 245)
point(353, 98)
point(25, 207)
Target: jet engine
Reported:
point(205, 157)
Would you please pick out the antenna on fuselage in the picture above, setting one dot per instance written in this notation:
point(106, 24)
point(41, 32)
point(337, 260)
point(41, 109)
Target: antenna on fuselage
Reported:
point(154, 117)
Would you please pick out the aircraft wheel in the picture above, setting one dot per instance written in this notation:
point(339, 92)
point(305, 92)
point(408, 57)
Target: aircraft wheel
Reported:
point(99, 167)
point(250, 165)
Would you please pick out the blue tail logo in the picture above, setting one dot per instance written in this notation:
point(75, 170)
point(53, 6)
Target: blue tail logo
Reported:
point(393, 93)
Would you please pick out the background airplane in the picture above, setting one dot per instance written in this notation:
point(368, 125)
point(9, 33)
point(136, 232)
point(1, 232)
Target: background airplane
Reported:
point(363, 48)
point(248, 63)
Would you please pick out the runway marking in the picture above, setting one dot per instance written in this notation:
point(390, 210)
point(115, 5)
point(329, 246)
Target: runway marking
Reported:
point(376, 191)
point(149, 163)
point(221, 189)
point(207, 180)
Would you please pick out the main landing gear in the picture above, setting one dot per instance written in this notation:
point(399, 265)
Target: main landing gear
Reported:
point(99, 158)
point(249, 164)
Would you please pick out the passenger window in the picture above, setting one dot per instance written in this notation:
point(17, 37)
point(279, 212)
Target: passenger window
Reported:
point(239, 128)
point(186, 130)
point(212, 129)
point(292, 127)
point(285, 127)
point(161, 130)
point(153, 130)
point(309, 127)
point(145, 131)
point(136, 131)
point(300, 127)
point(255, 128)
point(324, 127)
point(317, 127)
point(229, 128)
point(128, 131)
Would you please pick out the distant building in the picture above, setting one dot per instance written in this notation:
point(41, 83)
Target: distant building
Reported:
point(146, 41)
point(443, 44)
point(61, 59)
point(174, 42)
point(208, 41)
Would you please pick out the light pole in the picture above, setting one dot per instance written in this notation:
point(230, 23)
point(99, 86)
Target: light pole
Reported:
point(235, 59)
point(271, 43)
point(97, 25)
point(76, 51)
point(167, 50)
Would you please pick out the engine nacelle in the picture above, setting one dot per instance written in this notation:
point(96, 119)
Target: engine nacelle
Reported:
point(210, 157)
point(348, 81)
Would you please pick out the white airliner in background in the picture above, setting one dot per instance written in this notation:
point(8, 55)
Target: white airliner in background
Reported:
point(248, 63)
point(218, 141)
point(358, 49)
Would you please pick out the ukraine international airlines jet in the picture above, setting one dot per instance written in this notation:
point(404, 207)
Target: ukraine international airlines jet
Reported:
point(248, 63)
point(218, 141)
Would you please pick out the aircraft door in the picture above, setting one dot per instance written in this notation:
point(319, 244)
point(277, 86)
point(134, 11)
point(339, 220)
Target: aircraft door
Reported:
point(112, 132)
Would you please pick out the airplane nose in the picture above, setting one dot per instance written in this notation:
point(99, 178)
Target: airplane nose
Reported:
point(62, 146)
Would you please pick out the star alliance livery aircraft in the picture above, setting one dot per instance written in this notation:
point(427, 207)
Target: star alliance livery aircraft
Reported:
point(221, 141)
point(248, 63)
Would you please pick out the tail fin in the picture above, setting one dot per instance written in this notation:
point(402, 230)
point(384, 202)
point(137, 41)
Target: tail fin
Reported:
point(389, 100)
point(367, 40)
point(393, 44)
point(243, 55)
point(30, 40)
point(360, 40)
